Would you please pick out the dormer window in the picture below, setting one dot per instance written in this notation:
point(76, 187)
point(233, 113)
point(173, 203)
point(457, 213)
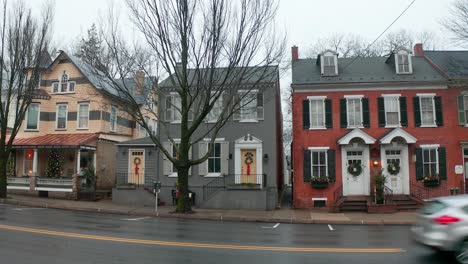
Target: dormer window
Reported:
point(64, 85)
point(403, 62)
point(329, 63)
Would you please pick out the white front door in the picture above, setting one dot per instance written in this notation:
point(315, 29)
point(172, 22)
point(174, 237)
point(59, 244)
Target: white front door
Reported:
point(395, 165)
point(353, 157)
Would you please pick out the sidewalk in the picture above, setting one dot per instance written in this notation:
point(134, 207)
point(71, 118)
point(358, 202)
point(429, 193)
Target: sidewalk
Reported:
point(276, 216)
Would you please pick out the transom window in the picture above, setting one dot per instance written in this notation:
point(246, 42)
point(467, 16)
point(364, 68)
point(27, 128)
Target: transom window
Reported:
point(64, 85)
point(392, 111)
point(430, 162)
point(392, 152)
point(427, 111)
point(33, 116)
point(214, 159)
point(354, 112)
point(61, 120)
point(317, 113)
point(319, 163)
point(83, 115)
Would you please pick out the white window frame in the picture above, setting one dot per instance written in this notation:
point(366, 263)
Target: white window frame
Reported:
point(243, 94)
point(113, 123)
point(354, 97)
point(154, 130)
point(392, 96)
point(465, 109)
point(428, 148)
point(219, 101)
point(318, 150)
point(410, 64)
point(322, 61)
point(174, 111)
point(57, 107)
point(431, 96)
point(173, 174)
point(215, 174)
point(59, 83)
point(78, 115)
point(38, 117)
point(317, 98)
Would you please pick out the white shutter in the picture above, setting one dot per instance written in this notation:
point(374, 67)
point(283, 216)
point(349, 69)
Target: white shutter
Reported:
point(167, 164)
point(224, 158)
point(202, 167)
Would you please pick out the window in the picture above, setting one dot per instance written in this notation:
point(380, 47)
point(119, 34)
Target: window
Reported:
point(329, 67)
point(83, 115)
point(154, 127)
point(392, 111)
point(147, 121)
point(61, 116)
point(64, 85)
point(173, 108)
point(465, 107)
point(354, 112)
point(430, 162)
point(251, 106)
point(175, 148)
point(317, 113)
point(113, 119)
point(216, 110)
point(319, 163)
point(32, 121)
point(403, 63)
point(427, 111)
point(214, 160)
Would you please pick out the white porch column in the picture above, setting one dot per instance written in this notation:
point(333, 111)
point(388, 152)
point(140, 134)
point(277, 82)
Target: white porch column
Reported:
point(34, 172)
point(78, 159)
point(94, 161)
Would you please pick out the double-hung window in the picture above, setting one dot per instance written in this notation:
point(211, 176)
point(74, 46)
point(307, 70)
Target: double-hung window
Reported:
point(403, 63)
point(154, 127)
point(32, 118)
point(428, 117)
point(462, 101)
point(113, 119)
point(430, 162)
point(319, 163)
point(392, 111)
point(173, 108)
point(317, 113)
point(465, 103)
point(216, 111)
point(251, 106)
point(83, 115)
point(64, 85)
point(214, 159)
point(61, 116)
point(354, 107)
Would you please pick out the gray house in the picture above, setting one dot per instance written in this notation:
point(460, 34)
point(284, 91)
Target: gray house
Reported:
point(245, 168)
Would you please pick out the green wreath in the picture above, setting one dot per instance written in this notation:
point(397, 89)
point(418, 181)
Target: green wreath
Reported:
point(248, 160)
point(393, 168)
point(136, 161)
point(355, 169)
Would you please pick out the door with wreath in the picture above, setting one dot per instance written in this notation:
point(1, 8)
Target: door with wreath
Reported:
point(355, 172)
point(136, 166)
point(248, 166)
point(394, 166)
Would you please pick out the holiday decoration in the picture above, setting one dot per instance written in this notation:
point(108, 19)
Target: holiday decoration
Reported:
point(355, 169)
point(393, 168)
point(54, 166)
point(248, 161)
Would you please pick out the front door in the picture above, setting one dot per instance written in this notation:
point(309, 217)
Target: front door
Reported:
point(355, 171)
point(248, 166)
point(395, 165)
point(136, 166)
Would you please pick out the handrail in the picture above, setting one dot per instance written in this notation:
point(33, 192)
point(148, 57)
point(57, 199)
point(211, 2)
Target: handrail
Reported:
point(388, 194)
point(338, 193)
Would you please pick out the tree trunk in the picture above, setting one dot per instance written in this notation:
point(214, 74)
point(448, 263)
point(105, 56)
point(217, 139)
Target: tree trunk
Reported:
point(3, 175)
point(183, 202)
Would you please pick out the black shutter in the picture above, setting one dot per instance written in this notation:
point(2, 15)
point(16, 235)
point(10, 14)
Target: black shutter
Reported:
point(328, 113)
point(442, 164)
point(331, 165)
point(307, 166)
point(365, 112)
point(438, 109)
point(403, 112)
point(381, 109)
point(461, 111)
point(306, 114)
point(343, 114)
point(417, 111)
point(419, 165)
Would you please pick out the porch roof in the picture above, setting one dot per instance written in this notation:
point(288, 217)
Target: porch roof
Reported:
point(356, 133)
point(73, 141)
point(397, 132)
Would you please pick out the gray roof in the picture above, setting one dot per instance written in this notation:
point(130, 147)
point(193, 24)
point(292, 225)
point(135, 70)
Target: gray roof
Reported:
point(453, 63)
point(139, 141)
point(103, 84)
point(242, 75)
point(368, 70)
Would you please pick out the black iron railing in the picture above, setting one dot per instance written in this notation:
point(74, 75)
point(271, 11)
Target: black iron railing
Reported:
point(388, 195)
point(338, 193)
point(220, 183)
point(130, 179)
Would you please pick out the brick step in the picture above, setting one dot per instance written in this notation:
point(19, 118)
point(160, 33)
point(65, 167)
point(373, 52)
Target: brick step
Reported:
point(363, 203)
point(405, 202)
point(353, 208)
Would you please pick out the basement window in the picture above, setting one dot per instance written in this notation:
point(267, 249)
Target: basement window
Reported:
point(319, 202)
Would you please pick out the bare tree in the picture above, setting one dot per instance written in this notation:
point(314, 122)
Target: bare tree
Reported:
point(22, 42)
point(457, 23)
point(210, 50)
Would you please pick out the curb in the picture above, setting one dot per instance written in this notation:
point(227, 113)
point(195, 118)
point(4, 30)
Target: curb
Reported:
point(211, 218)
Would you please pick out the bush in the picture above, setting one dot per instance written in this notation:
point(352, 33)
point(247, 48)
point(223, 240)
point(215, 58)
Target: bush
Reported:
point(380, 180)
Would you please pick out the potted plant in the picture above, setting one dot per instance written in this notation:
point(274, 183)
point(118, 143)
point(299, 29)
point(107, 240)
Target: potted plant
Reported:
point(319, 181)
point(432, 180)
point(380, 180)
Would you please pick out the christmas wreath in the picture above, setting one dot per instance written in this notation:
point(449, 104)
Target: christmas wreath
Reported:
point(136, 161)
point(248, 160)
point(393, 168)
point(355, 169)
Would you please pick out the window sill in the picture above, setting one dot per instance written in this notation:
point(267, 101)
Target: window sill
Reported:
point(173, 175)
point(317, 128)
point(248, 121)
point(176, 122)
point(213, 175)
point(31, 130)
point(353, 127)
point(82, 128)
point(63, 93)
point(392, 126)
point(60, 129)
point(428, 126)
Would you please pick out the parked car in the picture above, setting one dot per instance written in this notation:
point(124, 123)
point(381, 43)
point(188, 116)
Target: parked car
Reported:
point(443, 226)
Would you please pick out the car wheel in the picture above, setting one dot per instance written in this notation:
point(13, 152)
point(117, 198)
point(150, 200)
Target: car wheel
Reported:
point(462, 252)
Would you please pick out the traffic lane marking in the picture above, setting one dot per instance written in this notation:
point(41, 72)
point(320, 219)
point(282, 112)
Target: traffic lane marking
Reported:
point(27, 208)
point(330, 227)
point(201, 245)
point(136, 219)
point(275, 226)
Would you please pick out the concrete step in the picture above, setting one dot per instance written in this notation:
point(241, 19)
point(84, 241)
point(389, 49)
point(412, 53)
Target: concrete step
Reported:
point(353, 208)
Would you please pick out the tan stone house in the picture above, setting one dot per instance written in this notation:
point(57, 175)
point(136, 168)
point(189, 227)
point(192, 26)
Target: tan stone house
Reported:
point(76, 115)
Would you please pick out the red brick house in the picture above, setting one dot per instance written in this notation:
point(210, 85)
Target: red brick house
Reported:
point(402, 114)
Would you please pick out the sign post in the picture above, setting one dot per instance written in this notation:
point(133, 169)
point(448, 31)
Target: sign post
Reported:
point(156, 190)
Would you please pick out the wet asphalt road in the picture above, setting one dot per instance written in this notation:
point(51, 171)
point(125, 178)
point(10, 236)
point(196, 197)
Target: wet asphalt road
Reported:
point(32, 247)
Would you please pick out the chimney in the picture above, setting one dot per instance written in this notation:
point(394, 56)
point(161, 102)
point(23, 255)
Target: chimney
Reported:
point(418, 50)
point(139, 82)
point(294, 53)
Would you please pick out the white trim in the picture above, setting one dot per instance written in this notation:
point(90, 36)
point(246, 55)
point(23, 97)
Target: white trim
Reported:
point(398, 132)
point(431, 96)
point(136, 145)
point(344, 87)
point(429, 146)
point(173, 175)
point(110, 119)
point(356, 133)
point(318, 148)
point(248, 121)
point(213, 175)
point(391, 95)
point(247, 91)
point(10, 187)
point(365, 172)
point(356, 96)
point(318, 128)
point(53, 189)
point(319, 199)
point(404, 163)
point(256, 144)
point(321, 97)
point(78, 115)
point(216, 140)
point(410, 64)
point(130, 150)
point(57, 116)
point(426, 94)
point(38, 118)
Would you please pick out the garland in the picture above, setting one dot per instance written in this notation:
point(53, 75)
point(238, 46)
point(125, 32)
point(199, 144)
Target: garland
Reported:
point(393, 168)
point(355, 169)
